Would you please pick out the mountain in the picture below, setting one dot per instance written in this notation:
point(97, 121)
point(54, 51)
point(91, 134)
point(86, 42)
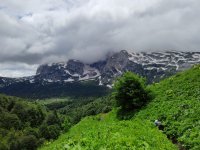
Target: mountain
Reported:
point(153, 66)
point(75, 74)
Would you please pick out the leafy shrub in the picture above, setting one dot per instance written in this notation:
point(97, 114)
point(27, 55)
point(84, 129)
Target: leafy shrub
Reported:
point(35, 116)
point(131, 92)
point(53, 118)
point(49, 132)
point(28, 142)
point(9, 121)
point(31, 131)
point(15, 145)
point(3, 146)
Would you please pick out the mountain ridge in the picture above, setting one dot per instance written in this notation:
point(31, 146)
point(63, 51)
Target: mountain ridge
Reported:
point(141, 63)
point(154, 66)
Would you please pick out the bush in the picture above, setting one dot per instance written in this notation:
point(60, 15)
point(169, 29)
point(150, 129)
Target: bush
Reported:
point(20, 109)
point(49, 132)
point(3, 146)
point(15, 145)
point(130, 92)
point(28, 142)
point(31, 131)
point(54, 131)
point(9, 121)
point(53, 118)
point(36, 116)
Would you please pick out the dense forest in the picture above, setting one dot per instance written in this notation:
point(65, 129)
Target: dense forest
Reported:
point(25, 125)
point(40, 90)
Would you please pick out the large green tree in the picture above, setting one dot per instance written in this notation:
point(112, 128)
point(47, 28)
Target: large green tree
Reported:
point(130, 91)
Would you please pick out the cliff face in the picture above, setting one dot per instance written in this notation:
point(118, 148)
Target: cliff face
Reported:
point(75, 67)
point(73, 70)
point(117, 64)
point(154, 66)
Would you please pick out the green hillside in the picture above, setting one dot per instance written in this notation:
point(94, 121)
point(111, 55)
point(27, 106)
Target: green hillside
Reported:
point(106, 132)
point(176, 105)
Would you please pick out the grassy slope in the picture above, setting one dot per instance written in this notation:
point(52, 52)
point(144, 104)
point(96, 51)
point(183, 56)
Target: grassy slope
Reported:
point(176, 105)
point(106, 132)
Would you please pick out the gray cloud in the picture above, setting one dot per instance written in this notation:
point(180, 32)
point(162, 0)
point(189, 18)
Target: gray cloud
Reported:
point(17, 69)
point(34, 32)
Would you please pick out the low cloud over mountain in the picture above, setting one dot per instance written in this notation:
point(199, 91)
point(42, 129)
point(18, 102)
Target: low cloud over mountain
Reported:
point(35, 32)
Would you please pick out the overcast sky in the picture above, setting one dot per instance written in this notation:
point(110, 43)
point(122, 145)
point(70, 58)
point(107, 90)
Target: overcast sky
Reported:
point(33, 32)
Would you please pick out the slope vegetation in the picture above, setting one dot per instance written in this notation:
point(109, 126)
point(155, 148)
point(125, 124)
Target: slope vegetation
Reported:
point(104, 131)
point(176, 105)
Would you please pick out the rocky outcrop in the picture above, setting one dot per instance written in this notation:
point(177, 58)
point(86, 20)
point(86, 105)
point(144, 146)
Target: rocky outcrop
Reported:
point(73, 70)
point(153, 65)
point(52, 72)
point(75, 67)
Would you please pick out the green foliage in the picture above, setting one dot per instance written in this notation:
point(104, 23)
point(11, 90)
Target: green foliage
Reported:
point(83, 107)
point(176, 105)
point(53, 118)
point(57, 105)
point(31, 131)
point(104, 131)
point(20, 122)
point(9, 121)
point(28, 113)
point(70, 110)
point(49, 131)
point(28, 142)
point(131, 92)
point(39, 90)
point(3, 146)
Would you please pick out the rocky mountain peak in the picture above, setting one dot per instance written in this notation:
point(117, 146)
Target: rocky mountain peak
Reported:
point(75, 67)
point(117, 61)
